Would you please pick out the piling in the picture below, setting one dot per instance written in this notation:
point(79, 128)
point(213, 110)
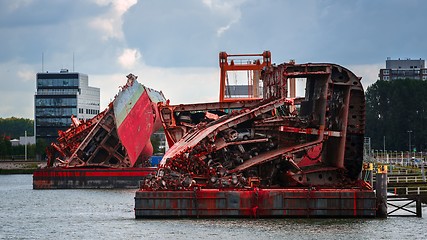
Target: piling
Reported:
point(381, 191)
point(419, 210)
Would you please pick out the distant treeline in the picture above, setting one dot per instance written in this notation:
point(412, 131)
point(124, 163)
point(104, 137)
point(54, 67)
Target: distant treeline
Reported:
point(11, 128)
point(392, 109)
point(16, 127)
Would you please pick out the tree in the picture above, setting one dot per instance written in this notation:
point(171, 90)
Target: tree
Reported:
point(392, 109)
point(16, 127)
point(5, 147)
point(40, 149)
point(11, 128)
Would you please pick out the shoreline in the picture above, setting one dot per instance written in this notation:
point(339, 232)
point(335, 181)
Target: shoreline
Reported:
point(19, 167)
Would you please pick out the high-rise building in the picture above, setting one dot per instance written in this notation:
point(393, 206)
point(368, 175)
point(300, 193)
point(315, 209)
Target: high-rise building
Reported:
point(58, 97)
point(403, 69)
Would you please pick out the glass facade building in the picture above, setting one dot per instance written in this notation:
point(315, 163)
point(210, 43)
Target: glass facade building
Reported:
point(60, 96)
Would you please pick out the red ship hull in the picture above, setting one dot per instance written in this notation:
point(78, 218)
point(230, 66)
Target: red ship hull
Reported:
point(136, 129)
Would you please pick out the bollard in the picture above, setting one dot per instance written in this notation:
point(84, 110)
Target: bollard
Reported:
point(381, 191)
point(419, 210)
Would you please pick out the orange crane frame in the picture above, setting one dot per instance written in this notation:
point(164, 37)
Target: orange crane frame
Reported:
point(226, 65)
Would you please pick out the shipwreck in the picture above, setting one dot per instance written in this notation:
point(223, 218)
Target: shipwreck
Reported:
point(110, 150)
point(267, 154)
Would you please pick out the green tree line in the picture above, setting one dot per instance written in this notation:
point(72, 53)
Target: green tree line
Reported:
point(16, 127)
point(396, 113)
point(9, 152)
point(13, 128)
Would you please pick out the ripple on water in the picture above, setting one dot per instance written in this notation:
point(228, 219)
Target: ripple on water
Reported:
point(108, 214)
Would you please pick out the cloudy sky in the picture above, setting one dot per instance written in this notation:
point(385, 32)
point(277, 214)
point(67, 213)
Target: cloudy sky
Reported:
point(173, 45)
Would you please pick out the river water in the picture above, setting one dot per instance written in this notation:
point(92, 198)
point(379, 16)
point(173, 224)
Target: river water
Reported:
point(108, 214)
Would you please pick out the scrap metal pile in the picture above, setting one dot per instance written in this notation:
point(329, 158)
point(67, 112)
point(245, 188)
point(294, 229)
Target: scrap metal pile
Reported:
point(118, 137)
point(269, 142)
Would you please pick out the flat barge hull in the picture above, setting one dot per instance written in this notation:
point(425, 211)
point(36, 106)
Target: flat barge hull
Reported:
point(89, 178)
point(255, 203)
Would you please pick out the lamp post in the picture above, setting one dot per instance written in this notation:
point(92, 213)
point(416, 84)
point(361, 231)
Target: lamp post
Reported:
point(395, 157)
point(384, 143)
point(409, 153)
point(25, 145)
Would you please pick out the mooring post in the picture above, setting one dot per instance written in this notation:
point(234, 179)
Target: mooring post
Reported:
point(381, 191)
point(419, 210)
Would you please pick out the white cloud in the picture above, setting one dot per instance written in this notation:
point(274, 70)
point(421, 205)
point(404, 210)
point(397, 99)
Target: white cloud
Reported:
point(107, 26)
point(26, 74)
point(180, 85)
point(368, 72)
point(17, 89)
point(223, 5)
point(223, 29)
point(19, 103)
point(13, 5)
point(129, 58)
point(110, 24)
point(230, 10)
point(119, 6)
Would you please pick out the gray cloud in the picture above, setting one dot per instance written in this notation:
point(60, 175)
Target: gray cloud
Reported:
point(173, 33)
point(111, 38)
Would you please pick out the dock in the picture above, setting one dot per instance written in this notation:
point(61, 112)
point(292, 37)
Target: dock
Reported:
point(405, 185)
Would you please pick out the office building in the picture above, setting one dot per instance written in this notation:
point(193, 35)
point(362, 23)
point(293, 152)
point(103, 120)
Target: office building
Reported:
point(403, 69)
point(60, 96)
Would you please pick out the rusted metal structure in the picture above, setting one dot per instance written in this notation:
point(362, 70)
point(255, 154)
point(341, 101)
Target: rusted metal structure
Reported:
point(261, 157)
point(116, 141)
